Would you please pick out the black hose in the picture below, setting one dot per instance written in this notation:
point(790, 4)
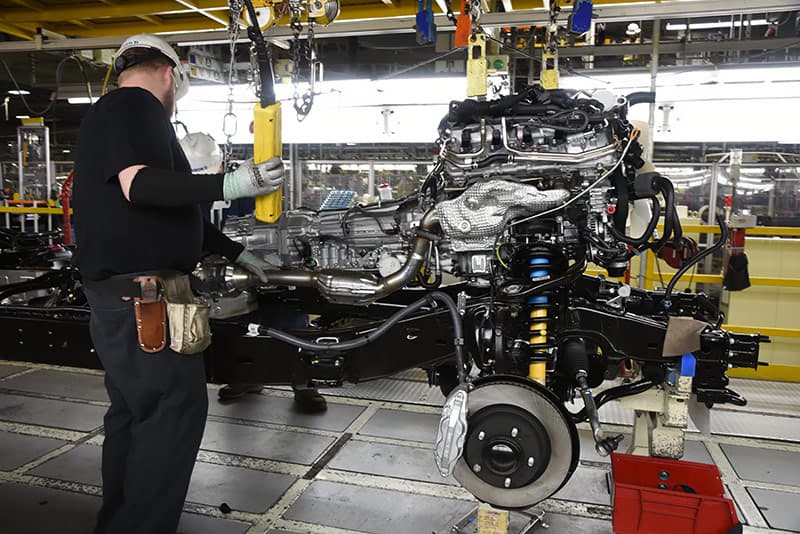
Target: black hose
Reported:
point(355, 343)
point(651, 226)
point(615, 393)
point(694, 261)
point(641, 97)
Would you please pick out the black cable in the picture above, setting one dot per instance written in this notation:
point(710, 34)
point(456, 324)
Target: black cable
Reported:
point(358, 342)
point(59, 74)
point(694, 261)
point(267, 93)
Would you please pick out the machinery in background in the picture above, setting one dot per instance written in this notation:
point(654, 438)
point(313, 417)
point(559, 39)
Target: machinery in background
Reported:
point(478, 277)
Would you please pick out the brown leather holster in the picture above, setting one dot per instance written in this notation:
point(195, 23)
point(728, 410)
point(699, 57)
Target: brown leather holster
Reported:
point(151, 315)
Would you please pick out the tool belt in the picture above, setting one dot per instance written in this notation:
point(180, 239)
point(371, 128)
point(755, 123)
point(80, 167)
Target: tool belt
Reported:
point(162, 302)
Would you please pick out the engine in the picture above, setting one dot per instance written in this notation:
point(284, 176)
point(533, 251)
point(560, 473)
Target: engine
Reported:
point(544, 170)
point(525, 192)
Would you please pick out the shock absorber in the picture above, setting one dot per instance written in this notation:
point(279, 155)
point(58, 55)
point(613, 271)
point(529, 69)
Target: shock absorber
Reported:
point(540, 308)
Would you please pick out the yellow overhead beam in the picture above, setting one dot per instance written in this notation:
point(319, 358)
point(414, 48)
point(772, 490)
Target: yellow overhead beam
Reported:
point(85, 11)
point(407, 8)
point(183, 24)
point(15, 31)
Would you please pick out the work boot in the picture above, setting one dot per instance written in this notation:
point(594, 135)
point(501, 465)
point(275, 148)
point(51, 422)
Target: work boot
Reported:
point(233, 392)
point(309, 401)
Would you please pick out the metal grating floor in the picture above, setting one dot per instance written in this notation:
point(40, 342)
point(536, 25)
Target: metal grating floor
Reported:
point(271, 465)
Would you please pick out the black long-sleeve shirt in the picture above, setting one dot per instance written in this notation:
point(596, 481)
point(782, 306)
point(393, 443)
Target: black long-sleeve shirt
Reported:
point(128, 127)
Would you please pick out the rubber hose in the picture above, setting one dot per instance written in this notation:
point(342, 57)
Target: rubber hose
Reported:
point(691, 263)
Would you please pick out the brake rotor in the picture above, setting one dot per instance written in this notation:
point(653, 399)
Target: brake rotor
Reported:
point(520, 446)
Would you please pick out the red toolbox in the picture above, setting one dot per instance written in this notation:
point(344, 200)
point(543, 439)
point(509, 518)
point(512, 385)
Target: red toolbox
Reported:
point(658, 495)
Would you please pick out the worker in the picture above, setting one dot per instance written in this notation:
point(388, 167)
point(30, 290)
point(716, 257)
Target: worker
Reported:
point(137, 214)
point(204, 156)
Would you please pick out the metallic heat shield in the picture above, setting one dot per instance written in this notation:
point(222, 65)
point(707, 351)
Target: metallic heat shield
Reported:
point(473, 219)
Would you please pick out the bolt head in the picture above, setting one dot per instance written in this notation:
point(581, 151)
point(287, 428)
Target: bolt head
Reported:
point(514, 432)
point(507, 482)
point(481, 435)
point(531, 461)
point(476, 468)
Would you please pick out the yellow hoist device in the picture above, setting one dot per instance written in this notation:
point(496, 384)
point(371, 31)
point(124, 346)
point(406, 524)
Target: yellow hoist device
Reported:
point(266, 120)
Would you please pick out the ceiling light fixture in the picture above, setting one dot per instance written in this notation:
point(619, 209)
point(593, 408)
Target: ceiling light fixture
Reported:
point(18, 92)
point(715, 25)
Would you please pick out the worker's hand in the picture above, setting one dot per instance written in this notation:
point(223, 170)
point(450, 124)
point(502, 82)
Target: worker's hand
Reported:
point(254, 264)
point(253, 179)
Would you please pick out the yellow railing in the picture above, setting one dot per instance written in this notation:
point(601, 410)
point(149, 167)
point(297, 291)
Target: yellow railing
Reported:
point(37, 211)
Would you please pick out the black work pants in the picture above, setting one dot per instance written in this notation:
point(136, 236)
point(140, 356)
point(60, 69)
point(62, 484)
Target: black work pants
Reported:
point(153, 427)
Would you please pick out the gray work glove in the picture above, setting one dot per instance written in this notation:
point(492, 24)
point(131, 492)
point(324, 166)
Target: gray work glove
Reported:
point(252, 263)
point(253, 179)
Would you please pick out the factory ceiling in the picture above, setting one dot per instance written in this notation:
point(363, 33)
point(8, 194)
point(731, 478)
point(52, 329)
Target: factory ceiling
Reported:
point(371, 38)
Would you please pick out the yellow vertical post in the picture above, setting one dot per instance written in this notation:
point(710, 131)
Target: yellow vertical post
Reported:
point(267, 144)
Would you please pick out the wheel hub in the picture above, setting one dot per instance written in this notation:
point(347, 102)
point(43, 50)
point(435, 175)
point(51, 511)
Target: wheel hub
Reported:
point(520, 446)
point(506, 446)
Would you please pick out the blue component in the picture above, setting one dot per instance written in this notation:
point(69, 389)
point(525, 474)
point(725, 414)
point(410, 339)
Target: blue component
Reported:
point(539, 261)
point(539, 273)
point(541, 299)
point(688, 364)
point(338, 199)
point(581, 19)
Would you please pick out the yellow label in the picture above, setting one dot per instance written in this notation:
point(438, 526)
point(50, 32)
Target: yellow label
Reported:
point(267, 144)
point(491, 521)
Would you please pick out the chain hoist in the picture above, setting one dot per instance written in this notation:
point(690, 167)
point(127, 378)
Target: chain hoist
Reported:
point(302, 53)
point(229, 120)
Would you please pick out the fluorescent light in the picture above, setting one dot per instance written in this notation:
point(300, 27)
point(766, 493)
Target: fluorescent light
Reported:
point(20, 92)
point(23, 116)
point(714, 25)
point(80, 100)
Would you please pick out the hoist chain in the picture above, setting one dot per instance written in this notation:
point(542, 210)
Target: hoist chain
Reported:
point(552, 39)
point(302, 53)
point(229, 121)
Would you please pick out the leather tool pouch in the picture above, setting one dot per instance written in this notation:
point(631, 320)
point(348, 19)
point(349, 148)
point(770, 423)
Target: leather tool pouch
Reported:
point(189, 329)
point(151, 317)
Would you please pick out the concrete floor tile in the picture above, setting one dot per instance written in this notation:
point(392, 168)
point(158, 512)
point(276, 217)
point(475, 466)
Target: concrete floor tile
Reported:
point(200, 524)
point(695, 451)
point(281, 410)
point(47, 412)
point(257, 442)
point(31, 509)
point(755, 425)
point(241, 489)
point(63, 384)
point(402, 425)
point(588, 485)
point(778, 507)
point(19, 449)
point(562, 524)
point(764, 465)
point(7, 370)
point(396, 461)
point(391, 389)
point(374, 510)
point(81, 464)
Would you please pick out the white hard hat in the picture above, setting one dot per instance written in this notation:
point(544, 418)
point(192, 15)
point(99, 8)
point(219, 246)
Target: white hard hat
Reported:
point(159, 45)
point(203, 153)
point(633, 29)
